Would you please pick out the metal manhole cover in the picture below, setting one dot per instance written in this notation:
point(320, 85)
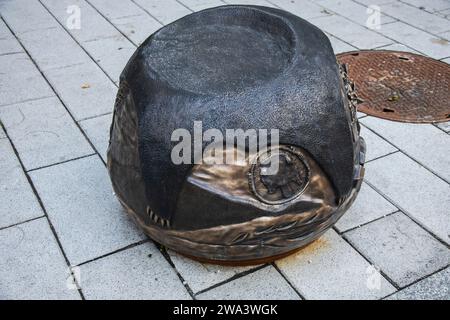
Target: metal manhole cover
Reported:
point(400, 86)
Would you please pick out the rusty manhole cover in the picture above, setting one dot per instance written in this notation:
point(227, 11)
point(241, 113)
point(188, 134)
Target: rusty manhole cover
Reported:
point(400, 86)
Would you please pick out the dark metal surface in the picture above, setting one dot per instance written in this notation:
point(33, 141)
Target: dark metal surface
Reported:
point(400, 86)
point(225, 212)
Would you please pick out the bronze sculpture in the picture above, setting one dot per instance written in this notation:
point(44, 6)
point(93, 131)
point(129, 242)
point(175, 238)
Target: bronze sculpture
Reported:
point(236, 67)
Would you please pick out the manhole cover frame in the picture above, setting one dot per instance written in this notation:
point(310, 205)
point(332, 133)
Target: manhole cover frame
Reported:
point(388, 110)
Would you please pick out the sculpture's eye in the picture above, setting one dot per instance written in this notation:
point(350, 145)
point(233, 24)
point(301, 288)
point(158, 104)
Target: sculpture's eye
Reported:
point(279, 175)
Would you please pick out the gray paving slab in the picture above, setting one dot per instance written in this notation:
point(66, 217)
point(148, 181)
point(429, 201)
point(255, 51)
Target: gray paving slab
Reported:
point(130, 19)
point(305, 9)
point(376, 146)
point(85, 90)
point(139, 272)
point(201, 276)
point(111, 54)
point(399, 47)
point(251, 2)
point(352, 10)
point(330, 268)
point(444, 126)
point(43, 133)
point(165, 12)
point(340, 46)
point(9, 46)
point(32, 265)
point(414, 139)
point(435, 287)
point(53, 48)
point(197, 5)
point(368, 206)
point(417, 39)
point(92, 25)
point(17, 200)
point(97, 130)
point(429, 5)
point(20, 80)
point(416, 17)
point(17, 12)
point(264, 284)
point(403, 251)
point(86, 215)
point(350, 32)
point(413, 189)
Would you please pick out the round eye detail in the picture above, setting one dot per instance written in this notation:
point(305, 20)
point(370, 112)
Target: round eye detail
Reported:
point(279, 175)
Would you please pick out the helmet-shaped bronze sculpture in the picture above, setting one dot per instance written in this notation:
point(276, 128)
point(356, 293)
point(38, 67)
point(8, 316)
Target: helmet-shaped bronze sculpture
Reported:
point(236, 67)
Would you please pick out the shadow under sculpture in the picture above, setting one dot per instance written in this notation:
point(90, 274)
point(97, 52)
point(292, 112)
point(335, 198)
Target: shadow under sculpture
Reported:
point(236, 67)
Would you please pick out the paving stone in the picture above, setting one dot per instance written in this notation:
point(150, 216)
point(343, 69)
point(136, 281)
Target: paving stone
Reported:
point(303, 9)
point(17, 200)
point(43, 133)
point(444, 126)
point(53, 48)
point(368, 206)
point(350, 32)
point(80, 203)
point(130, 19)
point(339, 45)
point(330, 268)
point(444, 13)
point(24, 15)
point(414, 190)
point(399, 47)
point(413, 139)
point(264, 284)
point(417, 39)
point(9, 46)
point(4, 31)
point(446, 60)
point(376, 146)
point(20, 80)
point(139, 272)
point(32, 265)
point(404, 251)
point(201, 276)
point(445, 35)
point(197, 5)
point(85, 90)
point(92, 25)
point(429, 5)
point(164, 11)
point(97, 130)
point(2, 133)
point(416, 17)
point(251, 2)
point(374, 2)
point(352, 11)
point(112, 54)
point(435, 287)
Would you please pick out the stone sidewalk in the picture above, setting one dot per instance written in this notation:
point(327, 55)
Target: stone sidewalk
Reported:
point(59, 218)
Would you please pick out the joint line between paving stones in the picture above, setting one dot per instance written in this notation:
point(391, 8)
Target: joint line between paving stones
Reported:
point(53, 89)
point(407, 155)
point(164, 253)
point(78, 43)
point(416, 27)
point(432, 12)
point(21, 222)
point(418, 280)
point(383, 156)
point(94, 117)
point(288, 281)
point(129, 246)
point(147, 12)
point(62, 162)
point(26, 100)
point(369, 222)
point(41, 204)
point(235, 277)
point(112, 24)
point(397, 287)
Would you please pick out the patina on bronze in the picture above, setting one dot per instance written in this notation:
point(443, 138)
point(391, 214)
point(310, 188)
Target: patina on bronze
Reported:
point(245, 67)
